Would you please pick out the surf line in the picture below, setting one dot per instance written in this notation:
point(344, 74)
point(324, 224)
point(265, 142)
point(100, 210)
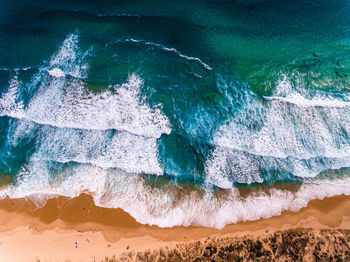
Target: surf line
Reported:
point(168, 49)
point(299, 100)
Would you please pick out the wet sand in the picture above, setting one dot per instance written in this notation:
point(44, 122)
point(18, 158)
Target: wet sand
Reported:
point(49, 233)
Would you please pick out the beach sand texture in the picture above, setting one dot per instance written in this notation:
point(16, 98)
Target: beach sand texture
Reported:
point(50, 233)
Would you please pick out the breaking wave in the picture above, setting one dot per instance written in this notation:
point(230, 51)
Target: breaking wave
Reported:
point(106, 143)
point(114, 129)
point(294, 131)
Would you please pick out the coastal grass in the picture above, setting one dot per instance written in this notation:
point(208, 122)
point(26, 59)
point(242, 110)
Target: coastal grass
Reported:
point(288, 245)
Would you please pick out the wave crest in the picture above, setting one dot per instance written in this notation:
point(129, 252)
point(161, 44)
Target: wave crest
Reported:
point(282, 134)
point(113, 128)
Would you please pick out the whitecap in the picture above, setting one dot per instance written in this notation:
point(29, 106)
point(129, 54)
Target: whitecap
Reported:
point(167, 207)
point(64, 102)
point(56, 72)
point(170, 49)
point(307, 136)
point(114, 128)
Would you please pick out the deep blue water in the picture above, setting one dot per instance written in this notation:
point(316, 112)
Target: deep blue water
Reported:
point(167, 109)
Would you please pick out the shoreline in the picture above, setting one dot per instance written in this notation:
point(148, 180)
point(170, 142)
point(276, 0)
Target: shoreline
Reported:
point(49, 233)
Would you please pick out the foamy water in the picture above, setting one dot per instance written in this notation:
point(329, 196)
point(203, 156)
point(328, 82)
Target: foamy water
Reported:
point(167, 208)
point(109, 142)
point(109, 129)
point(303, 139)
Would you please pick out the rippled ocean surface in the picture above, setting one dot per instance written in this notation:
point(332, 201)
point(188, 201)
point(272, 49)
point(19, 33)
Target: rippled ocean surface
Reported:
point(179, 112)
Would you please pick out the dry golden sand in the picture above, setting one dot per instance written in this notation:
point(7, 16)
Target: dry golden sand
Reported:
point(49, 233)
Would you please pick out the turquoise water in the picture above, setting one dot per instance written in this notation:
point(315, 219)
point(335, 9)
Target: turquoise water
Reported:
point(167, 109)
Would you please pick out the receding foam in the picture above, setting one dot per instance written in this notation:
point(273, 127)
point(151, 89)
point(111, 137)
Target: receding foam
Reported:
point(56, 72)
point(112, 129)
point(166, 207)
point(63, 101)
point(298, 131)
point(101, 142)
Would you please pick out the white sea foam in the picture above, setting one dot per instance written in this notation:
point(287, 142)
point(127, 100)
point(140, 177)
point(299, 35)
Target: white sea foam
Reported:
point(62, 101)
point(299, 100)
point(10, 101)
point(56, 72)
point(63, 105)
point(70, 59)
point(118, 129)
point(303, 134)
point(166, 208)
point(226, 166)
point(114, 129)
point(170, 49)
point(286, 92)
point(108, 149)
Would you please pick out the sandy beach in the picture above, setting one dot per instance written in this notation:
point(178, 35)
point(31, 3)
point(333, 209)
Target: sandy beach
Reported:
point(203, 130)
point(50, 233)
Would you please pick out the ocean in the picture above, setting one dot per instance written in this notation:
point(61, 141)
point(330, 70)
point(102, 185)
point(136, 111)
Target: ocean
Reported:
point(202, 113)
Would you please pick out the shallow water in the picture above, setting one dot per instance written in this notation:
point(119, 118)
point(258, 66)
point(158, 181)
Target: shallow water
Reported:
point(167, 109)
